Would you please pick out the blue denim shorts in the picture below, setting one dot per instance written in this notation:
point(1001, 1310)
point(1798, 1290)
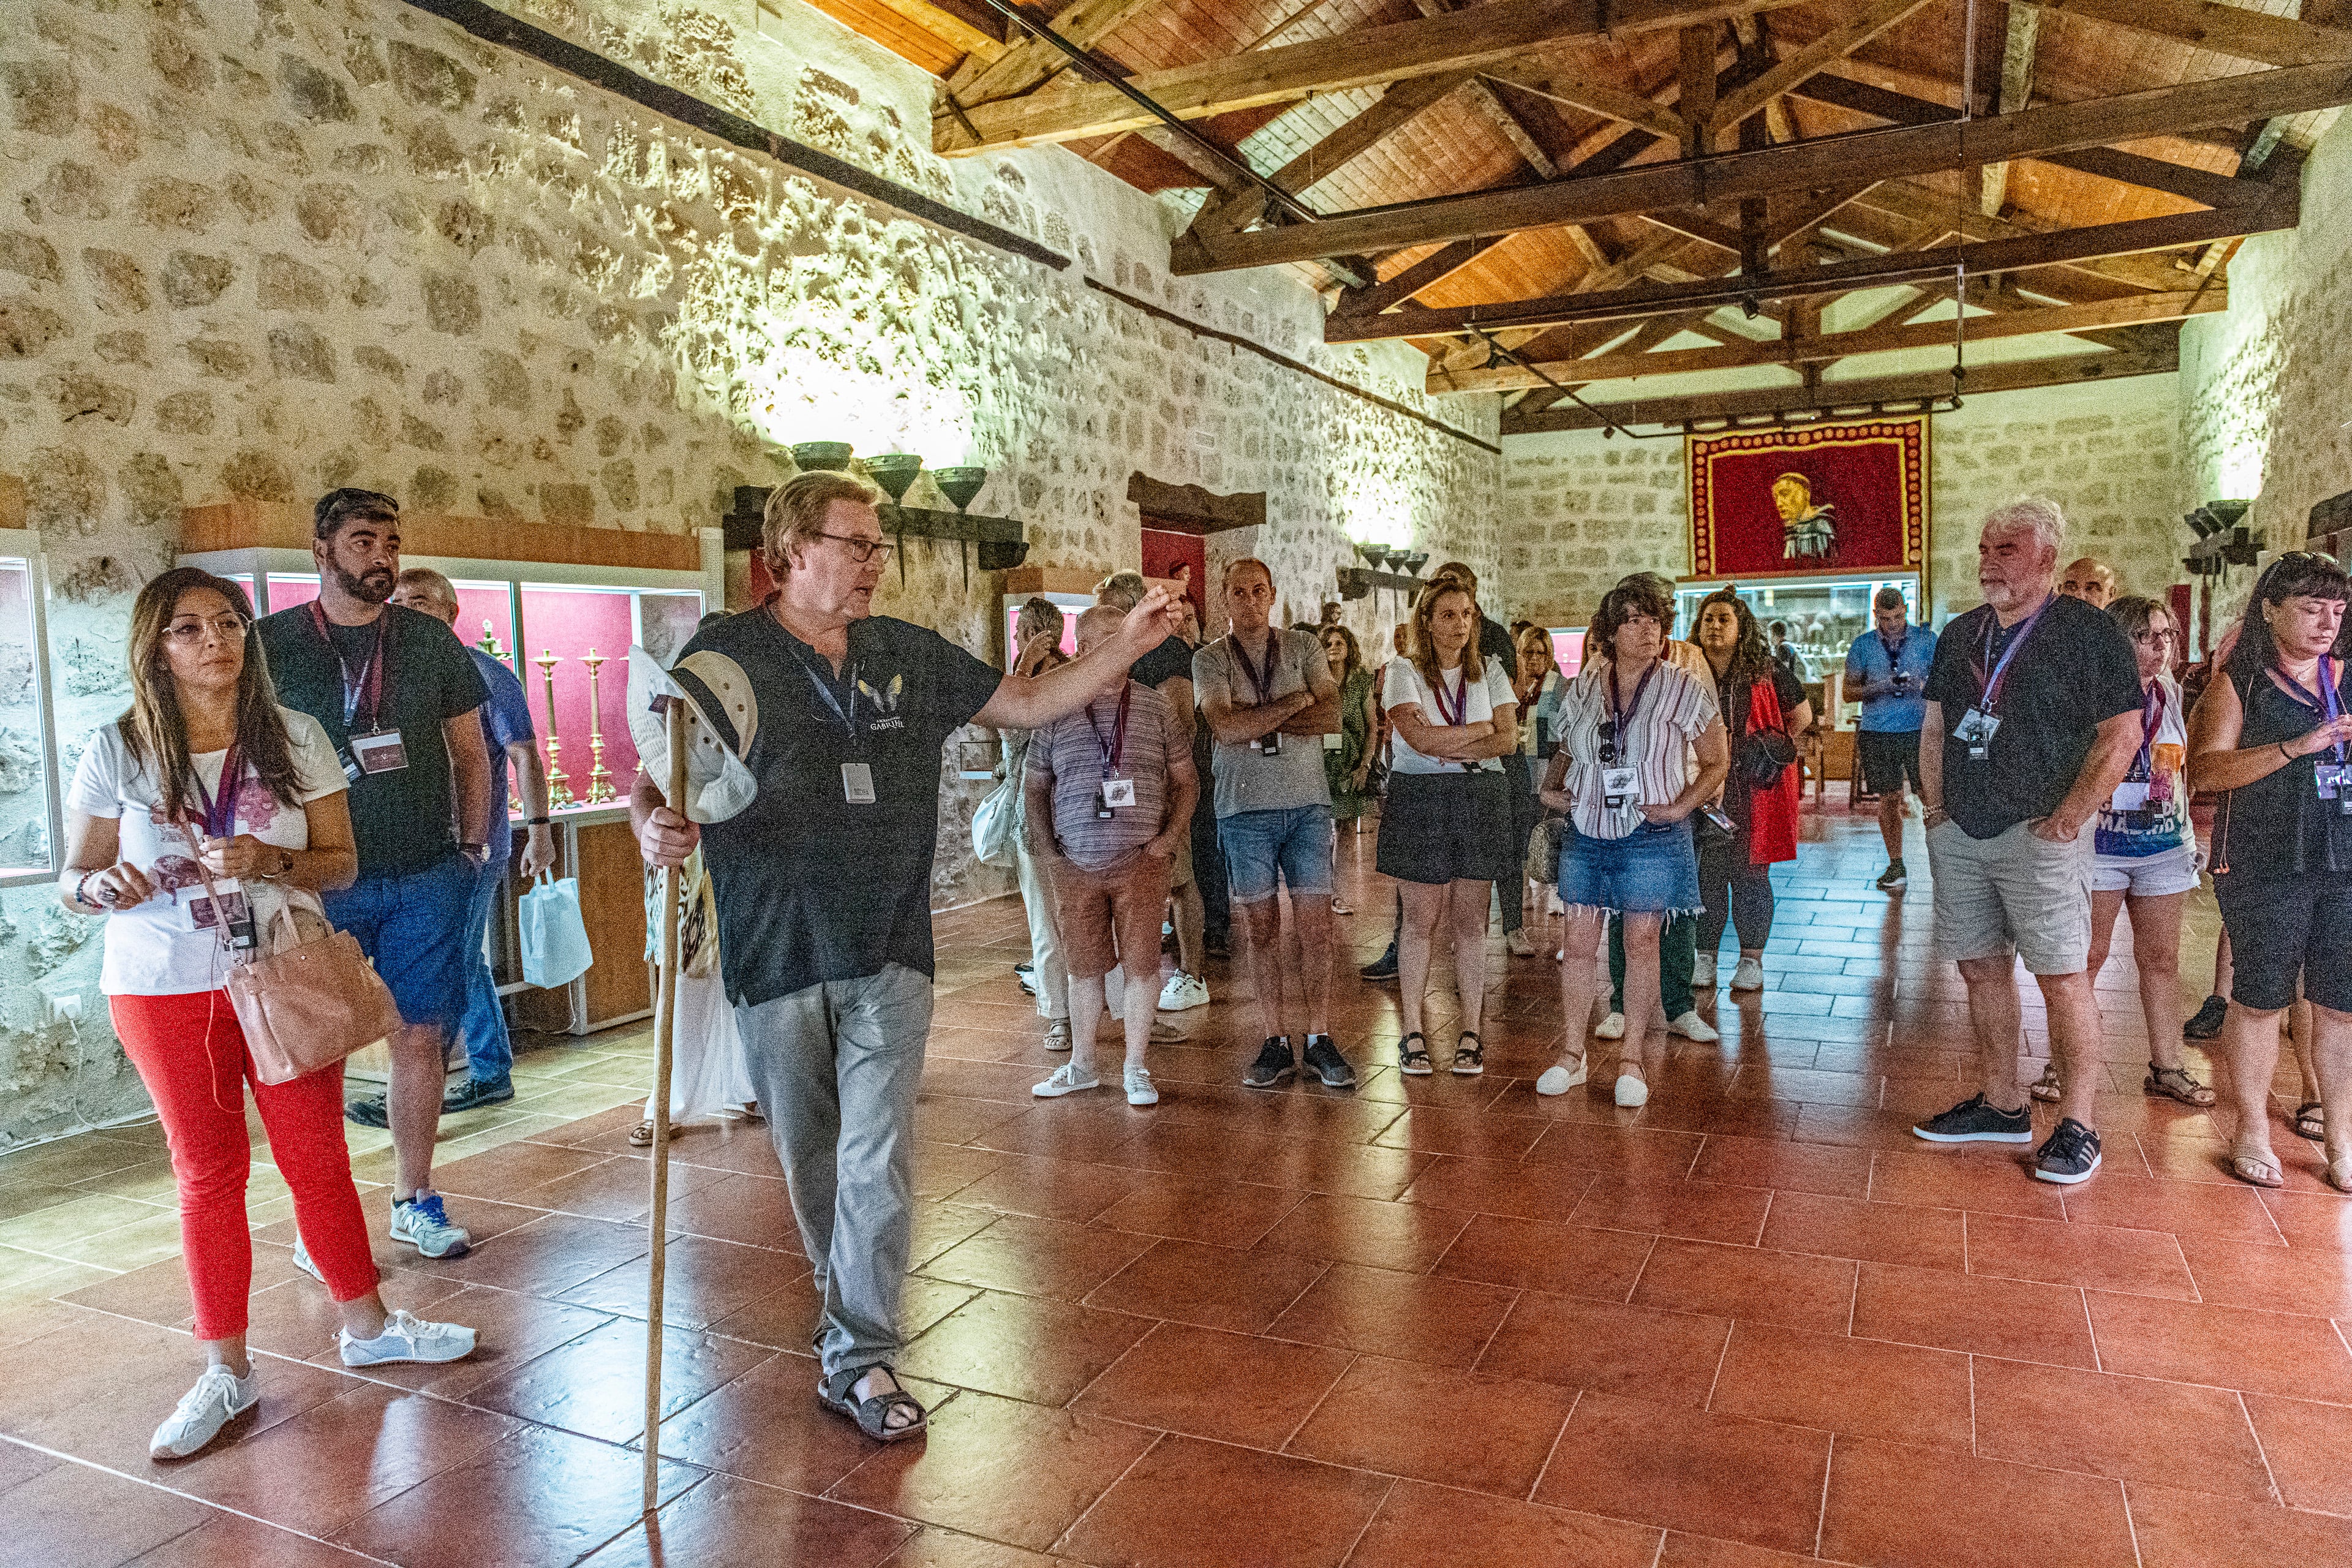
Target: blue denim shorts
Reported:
point(413, 928)
point(1652, 870)
point(1296, 842)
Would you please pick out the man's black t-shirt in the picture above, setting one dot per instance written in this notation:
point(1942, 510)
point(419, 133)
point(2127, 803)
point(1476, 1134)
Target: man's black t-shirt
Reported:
point(1173, 656)
point(2075, 671)
point(402, 821)
point(809, 887)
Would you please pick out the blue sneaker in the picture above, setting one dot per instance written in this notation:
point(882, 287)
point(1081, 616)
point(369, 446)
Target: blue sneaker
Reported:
point(425, 1224)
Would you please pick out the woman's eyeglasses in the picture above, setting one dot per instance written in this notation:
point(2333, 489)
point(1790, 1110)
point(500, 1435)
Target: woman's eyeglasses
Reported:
point(190, 632)
point(2152, 639)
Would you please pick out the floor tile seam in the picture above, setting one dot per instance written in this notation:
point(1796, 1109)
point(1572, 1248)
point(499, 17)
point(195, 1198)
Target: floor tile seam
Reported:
point(2091, 1290)
point(1552, 1453)
point(1822, 1508)
point(1365, 1528)
point(2104, 1290)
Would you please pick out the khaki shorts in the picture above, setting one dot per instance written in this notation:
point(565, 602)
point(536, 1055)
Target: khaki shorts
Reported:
point(1112, 915)
point(2012, 895)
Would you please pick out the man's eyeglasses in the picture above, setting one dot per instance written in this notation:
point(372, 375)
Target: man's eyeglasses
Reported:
point(190, 632)
point(861, 550)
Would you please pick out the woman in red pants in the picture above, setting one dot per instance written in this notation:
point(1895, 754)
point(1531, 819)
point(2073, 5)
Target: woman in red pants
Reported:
point(207, 775)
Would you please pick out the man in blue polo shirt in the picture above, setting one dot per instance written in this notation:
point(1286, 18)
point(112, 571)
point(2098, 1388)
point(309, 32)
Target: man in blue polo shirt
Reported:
point(1886, 671)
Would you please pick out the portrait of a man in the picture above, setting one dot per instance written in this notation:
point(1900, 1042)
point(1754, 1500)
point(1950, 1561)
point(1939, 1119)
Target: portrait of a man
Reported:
point(1808, 530)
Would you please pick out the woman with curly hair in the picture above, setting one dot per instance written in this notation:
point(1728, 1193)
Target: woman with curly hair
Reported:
point(1764, 710)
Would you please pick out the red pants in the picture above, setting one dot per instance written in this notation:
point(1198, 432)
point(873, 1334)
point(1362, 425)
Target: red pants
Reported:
point(191, 1052)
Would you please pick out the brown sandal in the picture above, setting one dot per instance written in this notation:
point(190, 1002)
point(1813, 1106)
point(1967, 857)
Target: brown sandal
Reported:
point(641, 1136)
point(2174, 1083)
point(2311, 1121)
point(2049, 1091)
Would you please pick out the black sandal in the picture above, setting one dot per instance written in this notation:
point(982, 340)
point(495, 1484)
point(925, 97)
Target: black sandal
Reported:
point(1412, 1061)
point(1470, 1061)
point(2174, 1083)
point(2311, 1121)
point(873, 1416)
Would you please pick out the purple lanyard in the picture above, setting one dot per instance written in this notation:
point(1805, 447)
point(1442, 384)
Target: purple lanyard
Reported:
point(1990, 702)
point(2325, 701)
point(1452, 716)
point(220, 815)
point(2151, 720)
point(1265, 689)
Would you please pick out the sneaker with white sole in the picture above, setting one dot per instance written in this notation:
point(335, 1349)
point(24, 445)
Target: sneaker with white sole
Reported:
point(219, 1397)
point(1558, 1080)
point(1137, 1081)
point(1182, 993)
point(406, 1338)
point(1749, 975)
point(1690, 1027)
point(1703, 972)
point(302, 1260)
point(1976, 1120)
point(1068, 1078)
point(425, 1224)
point(1521, 947)
point(1613, 1027)
point(2070, 1155)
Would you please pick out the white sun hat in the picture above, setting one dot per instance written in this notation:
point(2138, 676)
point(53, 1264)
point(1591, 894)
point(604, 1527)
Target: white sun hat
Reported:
point(717, 781)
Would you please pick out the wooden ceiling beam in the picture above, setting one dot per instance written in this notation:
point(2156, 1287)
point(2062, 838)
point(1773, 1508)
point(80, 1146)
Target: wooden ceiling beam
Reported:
point(1915, 204)
point(1404, 102)
point(1814, 58)
point(1763, 403)
point(2232, 30)
point(1429, 272)
point(1871, 156)
point(2016, 93)
point(1025, 65)
point(1579, 91)
point(1369, 57)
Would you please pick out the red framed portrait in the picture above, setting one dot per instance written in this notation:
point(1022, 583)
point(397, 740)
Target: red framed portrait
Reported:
point(1827, 499)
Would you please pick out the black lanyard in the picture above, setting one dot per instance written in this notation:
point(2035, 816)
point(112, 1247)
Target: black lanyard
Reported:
point(1116, 747)
point(371, 677)
point(1620, 720)
point(1265, 689)
point(1894, 652)
point(220, 815)
point(2151, 720)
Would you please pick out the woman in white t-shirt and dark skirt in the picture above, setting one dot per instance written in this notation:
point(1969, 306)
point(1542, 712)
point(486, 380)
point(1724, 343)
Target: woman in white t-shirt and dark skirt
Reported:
point(1620, 778)
point(1445, 832)
point(154, 809)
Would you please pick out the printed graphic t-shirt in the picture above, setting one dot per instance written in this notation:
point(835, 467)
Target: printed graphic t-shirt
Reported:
point(155, 949)
point(2163, 823)
point(809, 887)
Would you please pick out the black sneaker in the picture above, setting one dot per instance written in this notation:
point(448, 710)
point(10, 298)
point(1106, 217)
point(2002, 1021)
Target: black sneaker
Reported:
point(2207, 1024)
point(1273, 1063)
point(475, 1092)
point(1324, 1060)
point(369, 1112)
point(1894, 879)
point(1384, 967)
point(1977, 1121)
point(2069, 1156)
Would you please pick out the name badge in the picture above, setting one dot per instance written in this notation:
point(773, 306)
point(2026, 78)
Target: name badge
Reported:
point(383, 752)
point(1117, 792)
point(1977, 730)
point(1621, 787)
point(2333, 779)
point(231, 909)
point(2130, 795)
point(1269, 744)
point(857, 783)
point(1332, 743)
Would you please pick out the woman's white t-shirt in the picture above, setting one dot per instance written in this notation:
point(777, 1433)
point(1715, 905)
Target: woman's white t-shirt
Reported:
point(1401, 684)
point(155, 949)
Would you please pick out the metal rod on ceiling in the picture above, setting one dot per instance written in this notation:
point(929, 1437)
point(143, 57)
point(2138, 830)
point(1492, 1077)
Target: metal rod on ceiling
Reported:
point(1613, 427)
point(1086, 65)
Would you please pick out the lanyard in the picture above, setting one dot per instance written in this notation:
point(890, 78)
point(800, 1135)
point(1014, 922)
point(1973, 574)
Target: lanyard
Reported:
point(220, 815)
point(2325, 701)
point(2151, 720)
point(848, 717)
point(371, 676)
point(1623, 718)
point(1991, 685)
point(1455, 714)
point(1895, 651)
point(1265, 689)
point(1116, 747)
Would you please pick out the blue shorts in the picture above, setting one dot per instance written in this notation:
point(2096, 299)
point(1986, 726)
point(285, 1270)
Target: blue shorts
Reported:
point(1297, 842)
point(413, 928)
point(1652, 870)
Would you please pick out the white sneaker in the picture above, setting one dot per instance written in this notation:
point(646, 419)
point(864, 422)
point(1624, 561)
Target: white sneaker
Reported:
point(302, 1260)
point(1558, 1080)
point(1068, 1078)
point(1690, 1027)
point(424, 1225)
point(1519, 945)
point(1703, 972)
point(1749, 975)
point(1631, 1091)
point(1183, 992)
point(1138, 1087)
point(408, 1338)
point(1057, 1035)
point(1613, 1027)
point(219, 1397)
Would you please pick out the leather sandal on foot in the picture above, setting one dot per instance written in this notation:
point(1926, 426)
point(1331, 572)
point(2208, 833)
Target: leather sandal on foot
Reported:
point(873, 1416)
point(2255, 1171)
point(2049, 1089)
point(641, 1136)
point(1413, 1060)
point(2311, 1121)
point(2174, 1083)
point(1469, 1056)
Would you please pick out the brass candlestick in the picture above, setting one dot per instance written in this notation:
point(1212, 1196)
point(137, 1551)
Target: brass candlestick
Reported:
point(559, 786)
point(600, 782)
point(489, 643)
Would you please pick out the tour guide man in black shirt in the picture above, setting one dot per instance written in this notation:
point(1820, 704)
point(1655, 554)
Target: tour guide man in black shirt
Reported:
point(823, 885)
point(398, 696)
point(2036, 702)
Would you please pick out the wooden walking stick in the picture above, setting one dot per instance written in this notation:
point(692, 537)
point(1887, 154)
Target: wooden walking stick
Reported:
point(664, 1029)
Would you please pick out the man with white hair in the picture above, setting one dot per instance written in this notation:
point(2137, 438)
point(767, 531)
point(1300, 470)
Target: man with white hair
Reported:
point(2033, 705)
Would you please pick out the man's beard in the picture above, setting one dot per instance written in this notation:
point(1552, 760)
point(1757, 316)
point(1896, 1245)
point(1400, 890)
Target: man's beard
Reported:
point(372, 589)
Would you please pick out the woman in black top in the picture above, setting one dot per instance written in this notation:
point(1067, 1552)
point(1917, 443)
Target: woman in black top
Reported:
point(2274, 739)
point(1733, 881)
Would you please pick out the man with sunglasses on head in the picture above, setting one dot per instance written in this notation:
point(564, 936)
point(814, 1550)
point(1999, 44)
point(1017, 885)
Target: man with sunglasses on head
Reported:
point(398, 696)
point(821, 869)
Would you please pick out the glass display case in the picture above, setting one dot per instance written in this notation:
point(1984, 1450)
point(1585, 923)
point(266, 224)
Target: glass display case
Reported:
point(1567, 649)
point(30, 787)
point(1824, 613)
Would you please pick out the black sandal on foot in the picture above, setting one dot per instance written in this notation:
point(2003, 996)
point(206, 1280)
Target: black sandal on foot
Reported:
point(1413, 1060)
point(2048, 1090)
point(2174, 1083)
point(2311, 1121)
point(1470, 1061)
point(873, 1416)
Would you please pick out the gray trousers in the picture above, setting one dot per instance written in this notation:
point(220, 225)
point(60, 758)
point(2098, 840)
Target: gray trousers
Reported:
point(837, 1067)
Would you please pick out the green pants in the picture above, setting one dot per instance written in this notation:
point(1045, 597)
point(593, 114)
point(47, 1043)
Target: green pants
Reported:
point(1677, 957)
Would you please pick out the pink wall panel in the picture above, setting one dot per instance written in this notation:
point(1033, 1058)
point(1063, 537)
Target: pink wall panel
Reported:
point(570, 622)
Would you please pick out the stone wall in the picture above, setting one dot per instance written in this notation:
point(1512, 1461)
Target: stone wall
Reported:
point(263, 247)
point(1579, 512)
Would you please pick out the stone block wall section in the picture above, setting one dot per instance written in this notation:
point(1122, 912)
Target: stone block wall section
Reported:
point(1579, 512)
point(263, 247)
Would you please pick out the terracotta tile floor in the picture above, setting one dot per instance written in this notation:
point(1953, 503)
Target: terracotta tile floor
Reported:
point(1433, 1322)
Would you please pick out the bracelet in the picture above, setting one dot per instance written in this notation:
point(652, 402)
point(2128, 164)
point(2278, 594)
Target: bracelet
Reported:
point(2283, 751)
point(80, 893)
point(538, 821)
